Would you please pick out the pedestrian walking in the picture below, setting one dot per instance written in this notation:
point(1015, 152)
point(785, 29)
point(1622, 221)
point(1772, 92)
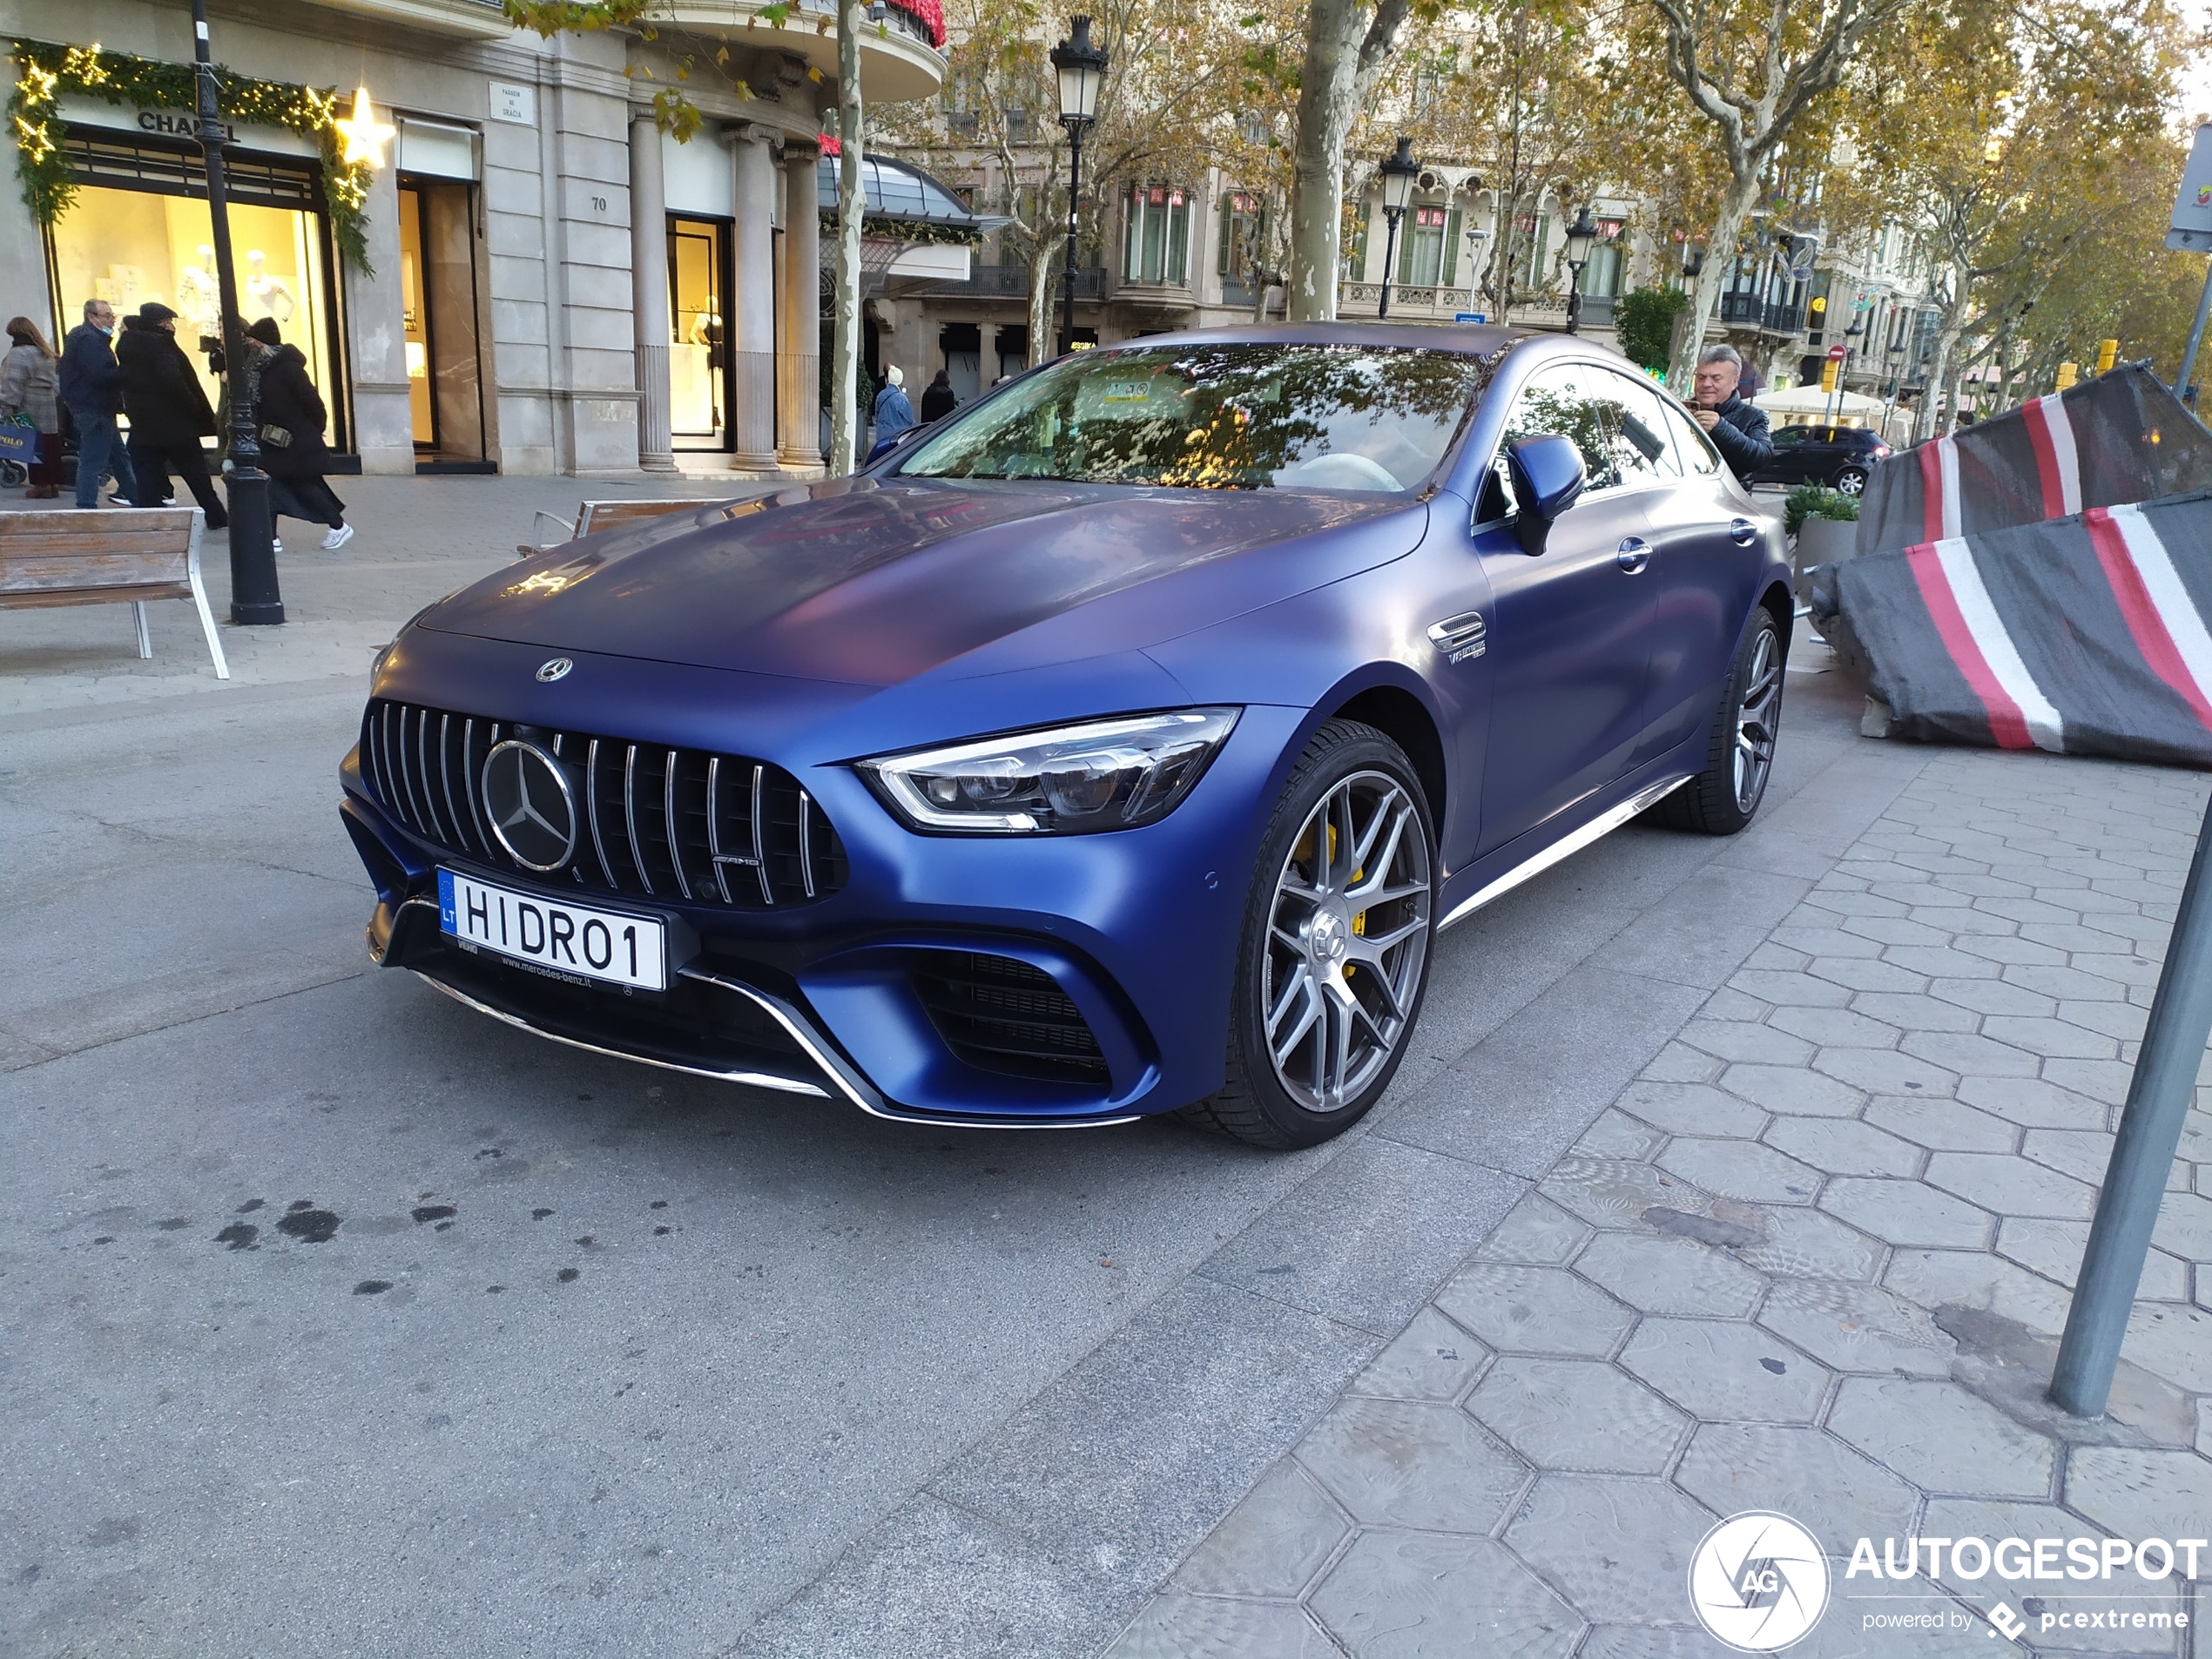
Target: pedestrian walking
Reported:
point(938, 398)
point(91, 388)
point(894, 415)
point(169, 414)
point(293, 452)
point(29, 378)
point(1736, 426)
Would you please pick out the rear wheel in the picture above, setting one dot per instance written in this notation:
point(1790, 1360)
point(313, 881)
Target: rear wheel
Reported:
point(1334, 958)
point(1851, 481)
point(1739, 751)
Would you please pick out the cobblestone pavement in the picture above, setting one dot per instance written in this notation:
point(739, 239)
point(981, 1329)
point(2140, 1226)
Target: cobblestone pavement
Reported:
point(1813, 1260)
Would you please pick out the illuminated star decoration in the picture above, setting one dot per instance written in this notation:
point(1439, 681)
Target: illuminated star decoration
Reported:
point(365, 135)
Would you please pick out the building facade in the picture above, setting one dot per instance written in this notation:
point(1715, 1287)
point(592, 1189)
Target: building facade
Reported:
point(551, 284)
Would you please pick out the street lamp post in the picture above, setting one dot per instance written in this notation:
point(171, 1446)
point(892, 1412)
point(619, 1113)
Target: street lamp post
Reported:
point(1582, 237)
point(255, 597)
point(1476, 238)
point(1856, 332)
point(1398, 173)
point(1081, 69)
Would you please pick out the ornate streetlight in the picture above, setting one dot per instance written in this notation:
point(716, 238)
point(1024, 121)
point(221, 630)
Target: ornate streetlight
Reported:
point(1398, 173)
point(255, 597)
point(1477, 237)
point(1582, 237)
point(1081, 69)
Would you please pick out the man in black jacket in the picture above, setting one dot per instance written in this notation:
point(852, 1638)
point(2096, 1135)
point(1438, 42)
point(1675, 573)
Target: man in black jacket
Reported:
point(169, 412)
point(92, 388)
point(1737, 428)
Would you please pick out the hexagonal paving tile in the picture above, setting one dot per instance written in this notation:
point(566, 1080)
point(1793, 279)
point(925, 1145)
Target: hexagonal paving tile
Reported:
point(1614, 1192)
point(2054, 1249)
point(1534, 1310)
point(1578, 1414)
point(2010, 1185)
point(2173, 1340)
point(2067, 1038)
point(1618, 1548)
point(1432, 1359)
point(2135, 1492)
point(1782, 1088)
point(1843, 1146)
point(1724, 1370)
point(2185, 1226)
point(1745, 1040)
point(1690, 1108)
point(1910, 1011)
point(1809, 1243)
point(1907, 1212)
point(1880, 1071)
point(1742, 1170)
point(2032, 1102)
point(1974, 1279)
point(1678, 1276)
point(1836, 1028)
point(1789, 989)
point(1802, 1473)
point(1199, 1626)
point(1393, 1596)
point(1993, 997)
point(1535, 1230)
point(1615, 1134)
point(1942, 1125)
point(1271, 1543)
point(1970, 1057)
point(1857, 1327)
point(1409, 1465)
point(1942, 1439)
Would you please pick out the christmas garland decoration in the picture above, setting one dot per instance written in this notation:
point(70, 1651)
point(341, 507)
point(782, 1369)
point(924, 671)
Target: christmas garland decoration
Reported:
point(45, 71)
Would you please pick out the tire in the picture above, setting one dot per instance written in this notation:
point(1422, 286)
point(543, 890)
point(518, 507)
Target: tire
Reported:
point(1320, 1013)
point(1739, 751)
point(1851, 481)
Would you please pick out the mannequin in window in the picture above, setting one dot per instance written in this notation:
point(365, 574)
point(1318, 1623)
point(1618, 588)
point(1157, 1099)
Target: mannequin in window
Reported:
point(267, 294)
point(199, 294)
point(706, 330)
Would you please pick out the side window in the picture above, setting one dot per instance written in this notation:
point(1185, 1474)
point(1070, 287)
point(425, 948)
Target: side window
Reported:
point(1789, 436)
point(1555, 399)
point(1699, 458)
point(1642, 451)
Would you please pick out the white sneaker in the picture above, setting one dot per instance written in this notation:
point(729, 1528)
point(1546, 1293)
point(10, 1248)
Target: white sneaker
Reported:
point(338, 538)
point(276, 544)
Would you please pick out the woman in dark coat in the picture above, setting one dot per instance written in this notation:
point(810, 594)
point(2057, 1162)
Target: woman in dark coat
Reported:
point(169, 412)
point(291, 418)
point(938, 398)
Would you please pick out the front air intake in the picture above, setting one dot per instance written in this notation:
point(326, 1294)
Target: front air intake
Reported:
point(1002, 1015)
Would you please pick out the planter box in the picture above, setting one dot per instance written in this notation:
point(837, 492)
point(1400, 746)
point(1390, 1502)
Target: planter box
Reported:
point(1821, 541)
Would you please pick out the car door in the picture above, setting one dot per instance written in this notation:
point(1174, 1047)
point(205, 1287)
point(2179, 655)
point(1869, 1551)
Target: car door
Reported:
point(1705, 555)
point(1790, 445)
point(1568, 637)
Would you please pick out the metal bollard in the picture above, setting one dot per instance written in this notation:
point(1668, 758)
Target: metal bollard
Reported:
point(2159, 1097)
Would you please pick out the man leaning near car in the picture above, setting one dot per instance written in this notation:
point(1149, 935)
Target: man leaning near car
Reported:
point(92, 386)
point(1738, 427)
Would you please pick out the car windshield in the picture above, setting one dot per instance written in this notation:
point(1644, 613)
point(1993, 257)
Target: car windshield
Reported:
point(1218, 416)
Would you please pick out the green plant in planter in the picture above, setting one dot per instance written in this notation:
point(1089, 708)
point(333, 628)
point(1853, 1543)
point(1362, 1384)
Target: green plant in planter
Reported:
point(1817, 501)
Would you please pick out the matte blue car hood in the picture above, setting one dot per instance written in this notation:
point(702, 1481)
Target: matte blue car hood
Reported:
point(873, 582)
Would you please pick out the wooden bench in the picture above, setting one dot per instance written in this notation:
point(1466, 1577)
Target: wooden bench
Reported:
point(592, 516)
point(113, 556)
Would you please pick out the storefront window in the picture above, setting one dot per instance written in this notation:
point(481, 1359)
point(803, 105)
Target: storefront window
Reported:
point(698, 278)
point(128, 247)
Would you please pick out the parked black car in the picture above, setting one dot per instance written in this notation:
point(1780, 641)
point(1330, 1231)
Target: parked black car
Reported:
point(1840, 456)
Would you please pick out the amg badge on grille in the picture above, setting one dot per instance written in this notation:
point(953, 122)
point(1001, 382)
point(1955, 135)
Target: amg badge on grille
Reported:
point(550, 672)
point(531, 806)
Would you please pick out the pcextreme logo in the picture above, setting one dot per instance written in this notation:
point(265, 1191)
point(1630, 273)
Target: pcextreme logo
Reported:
point(1760, 1581)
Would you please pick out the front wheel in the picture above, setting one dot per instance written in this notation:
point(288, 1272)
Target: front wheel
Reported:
point(1851, 481)
point(1739, 753)
point(1334, 958)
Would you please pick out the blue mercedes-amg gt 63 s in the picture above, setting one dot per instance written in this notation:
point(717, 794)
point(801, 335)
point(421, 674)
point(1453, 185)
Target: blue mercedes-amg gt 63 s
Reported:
point(1115, 746)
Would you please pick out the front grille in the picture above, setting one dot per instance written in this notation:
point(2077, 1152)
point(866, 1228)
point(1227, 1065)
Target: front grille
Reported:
point(1001, 1015)
point(655, 822)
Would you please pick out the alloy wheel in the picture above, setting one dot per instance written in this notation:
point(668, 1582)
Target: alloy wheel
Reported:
point(1757, 718)
point(1347, 935)
point(1851, 482)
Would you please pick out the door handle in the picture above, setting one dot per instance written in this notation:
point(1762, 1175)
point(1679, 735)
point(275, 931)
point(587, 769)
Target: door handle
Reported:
point(1742, 531)
point(1634, 554)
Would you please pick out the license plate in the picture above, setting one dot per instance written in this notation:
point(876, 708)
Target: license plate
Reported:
point(570, 940)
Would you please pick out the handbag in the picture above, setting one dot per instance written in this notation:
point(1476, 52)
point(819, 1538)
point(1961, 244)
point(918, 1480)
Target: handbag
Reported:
point(18, 439)
point(277, 437)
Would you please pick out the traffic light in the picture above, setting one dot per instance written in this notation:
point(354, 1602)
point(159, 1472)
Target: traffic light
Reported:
point(2107, 354)
point(1829, 372)
point(2067, 373)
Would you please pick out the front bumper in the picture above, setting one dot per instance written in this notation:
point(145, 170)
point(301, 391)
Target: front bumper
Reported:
point(1133, 930)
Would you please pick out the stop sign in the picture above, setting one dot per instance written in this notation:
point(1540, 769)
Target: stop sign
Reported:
point(1835, 353)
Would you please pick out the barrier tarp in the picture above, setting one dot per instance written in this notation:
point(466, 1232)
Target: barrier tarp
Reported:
point(2121, 438)
point(2088, 634)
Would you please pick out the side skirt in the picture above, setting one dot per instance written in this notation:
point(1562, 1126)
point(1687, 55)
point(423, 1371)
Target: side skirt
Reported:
point(1565, 848)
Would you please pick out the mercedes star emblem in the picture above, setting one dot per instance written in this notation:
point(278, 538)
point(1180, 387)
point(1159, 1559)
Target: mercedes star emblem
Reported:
point(550, 672)
point(531, 806)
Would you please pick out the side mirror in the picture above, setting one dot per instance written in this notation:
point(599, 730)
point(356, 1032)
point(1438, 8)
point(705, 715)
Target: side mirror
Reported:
point(884, 446)
point(1547, 479)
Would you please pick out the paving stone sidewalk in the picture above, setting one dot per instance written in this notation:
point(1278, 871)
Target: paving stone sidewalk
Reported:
point(1814, 1260)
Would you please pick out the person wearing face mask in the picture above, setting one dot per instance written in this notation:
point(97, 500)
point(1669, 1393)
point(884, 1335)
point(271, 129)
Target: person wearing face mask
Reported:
point(91, 386)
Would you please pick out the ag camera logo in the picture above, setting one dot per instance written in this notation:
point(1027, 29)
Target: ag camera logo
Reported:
point(1758, 1582)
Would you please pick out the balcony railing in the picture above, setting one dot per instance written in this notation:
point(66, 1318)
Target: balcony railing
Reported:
point(1012, 282)
point(1754, 311)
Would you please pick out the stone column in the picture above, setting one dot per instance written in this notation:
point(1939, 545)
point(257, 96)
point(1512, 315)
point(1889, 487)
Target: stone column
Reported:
point(799, 370)
point(383, 426)
point(649, 293)
point(750, 315)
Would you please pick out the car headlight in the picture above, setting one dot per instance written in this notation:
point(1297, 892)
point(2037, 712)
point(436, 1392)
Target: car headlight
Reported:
point(1066, 780)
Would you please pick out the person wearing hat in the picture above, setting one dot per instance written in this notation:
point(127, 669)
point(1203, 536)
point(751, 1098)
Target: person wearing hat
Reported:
point(169, 414)
point(894, 415)
point(293, 452)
